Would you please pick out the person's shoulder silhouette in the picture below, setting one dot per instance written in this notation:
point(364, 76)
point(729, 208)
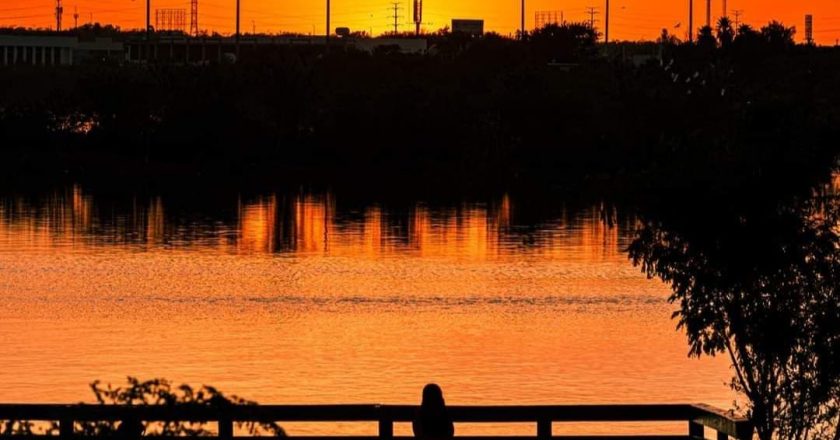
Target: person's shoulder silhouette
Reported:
point(432, 420)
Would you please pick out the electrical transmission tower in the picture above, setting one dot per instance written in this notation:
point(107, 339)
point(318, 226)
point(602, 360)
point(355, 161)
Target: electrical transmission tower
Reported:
point(170, 20)
point(592, 11)
point(194, 18)
point(59, 12)
point(545, 18)
point(737, 14)
point(418, 15)
point(396, 8)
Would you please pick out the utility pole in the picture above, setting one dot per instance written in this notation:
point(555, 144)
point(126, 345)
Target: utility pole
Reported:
point(237, 28)
point(59, 12)
point(522, 20)
point(253, 27)
point(237, 20)
point(709, 13)
point(607, 23)
point(690, 21)
point(75, 17)
point(148, 29)
point(591, 10)
point(396, 8)
point(328, 24)
point(737, 14)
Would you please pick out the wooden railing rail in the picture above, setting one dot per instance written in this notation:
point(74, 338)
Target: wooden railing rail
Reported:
point(697, 416)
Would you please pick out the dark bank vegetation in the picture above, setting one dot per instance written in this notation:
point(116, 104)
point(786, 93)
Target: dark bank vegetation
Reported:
point(757, 280)
point(753, 254)
point(556, 107)
point(148, 392)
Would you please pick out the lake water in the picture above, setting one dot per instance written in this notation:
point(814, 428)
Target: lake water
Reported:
point(305, 297)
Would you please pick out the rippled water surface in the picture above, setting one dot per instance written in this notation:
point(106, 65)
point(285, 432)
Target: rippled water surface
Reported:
point(302, 298)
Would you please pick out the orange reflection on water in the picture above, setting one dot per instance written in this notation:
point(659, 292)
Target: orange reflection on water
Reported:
point(299, 299)
point(256, 225)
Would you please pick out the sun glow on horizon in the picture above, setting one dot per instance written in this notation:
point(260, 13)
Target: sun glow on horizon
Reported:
point(629, 19)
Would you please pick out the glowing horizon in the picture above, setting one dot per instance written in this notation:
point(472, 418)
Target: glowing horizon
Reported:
point(640, 20)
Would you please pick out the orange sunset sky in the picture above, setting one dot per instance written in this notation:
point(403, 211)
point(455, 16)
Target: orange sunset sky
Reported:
point(630, 19)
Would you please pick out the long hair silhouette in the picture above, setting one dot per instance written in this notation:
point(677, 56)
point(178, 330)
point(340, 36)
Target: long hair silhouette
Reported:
point(433, 421)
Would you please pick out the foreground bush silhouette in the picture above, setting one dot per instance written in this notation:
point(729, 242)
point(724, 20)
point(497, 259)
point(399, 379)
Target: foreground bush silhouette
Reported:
point(758, 282)
point(153, 392)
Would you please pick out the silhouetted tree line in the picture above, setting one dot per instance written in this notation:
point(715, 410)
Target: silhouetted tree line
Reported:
point(552, 107)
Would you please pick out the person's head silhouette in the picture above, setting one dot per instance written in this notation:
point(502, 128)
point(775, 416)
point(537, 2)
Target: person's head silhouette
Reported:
point(433, 396)
point(433, 421)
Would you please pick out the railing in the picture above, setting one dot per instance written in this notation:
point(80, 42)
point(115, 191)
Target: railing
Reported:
point(697, 417)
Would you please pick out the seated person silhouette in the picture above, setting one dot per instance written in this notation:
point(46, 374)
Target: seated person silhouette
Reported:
point(432, 420)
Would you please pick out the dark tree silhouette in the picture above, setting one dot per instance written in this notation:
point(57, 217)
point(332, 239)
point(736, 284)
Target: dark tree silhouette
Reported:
point(760, 282)
point(566, 42)
point(706, 39)
point(725, 32)
point(778, 35)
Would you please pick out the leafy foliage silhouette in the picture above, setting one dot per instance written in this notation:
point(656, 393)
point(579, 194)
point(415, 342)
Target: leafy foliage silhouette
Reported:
point(154, 392)
point(760, 283)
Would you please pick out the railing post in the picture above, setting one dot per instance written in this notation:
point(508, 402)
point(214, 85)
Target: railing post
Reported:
point(696, 430)
point(544, 429)
point(386, 429)
point(65, 429)
point(225, 428)
point(386, 424)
